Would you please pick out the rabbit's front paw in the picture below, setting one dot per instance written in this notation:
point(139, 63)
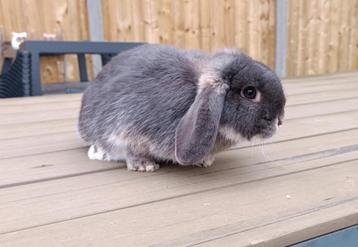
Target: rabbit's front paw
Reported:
point(96, 153)
point(207, 161)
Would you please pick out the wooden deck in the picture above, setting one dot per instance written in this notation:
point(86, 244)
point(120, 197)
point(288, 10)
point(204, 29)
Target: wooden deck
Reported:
point(300, 184)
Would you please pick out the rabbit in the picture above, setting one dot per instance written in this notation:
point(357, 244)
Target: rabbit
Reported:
point(157, 103)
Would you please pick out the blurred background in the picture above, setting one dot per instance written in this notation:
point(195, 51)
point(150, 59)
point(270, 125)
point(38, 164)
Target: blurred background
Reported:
point(294, 37)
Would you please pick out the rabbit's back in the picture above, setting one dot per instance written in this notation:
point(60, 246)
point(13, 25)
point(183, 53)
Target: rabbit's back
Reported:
point(141, 95)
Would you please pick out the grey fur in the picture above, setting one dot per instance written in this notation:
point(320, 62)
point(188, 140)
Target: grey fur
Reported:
point(138, 100)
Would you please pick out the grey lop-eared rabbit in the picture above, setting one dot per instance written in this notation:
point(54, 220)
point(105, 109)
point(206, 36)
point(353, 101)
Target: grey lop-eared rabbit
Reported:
point(158, 103)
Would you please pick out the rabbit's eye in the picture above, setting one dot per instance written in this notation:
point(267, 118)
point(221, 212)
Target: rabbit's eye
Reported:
point(249, 92)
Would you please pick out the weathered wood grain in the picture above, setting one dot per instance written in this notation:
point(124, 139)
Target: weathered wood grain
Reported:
point(192, 218)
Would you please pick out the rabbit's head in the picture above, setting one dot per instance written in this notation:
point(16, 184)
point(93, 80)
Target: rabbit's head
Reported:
point(237, 97)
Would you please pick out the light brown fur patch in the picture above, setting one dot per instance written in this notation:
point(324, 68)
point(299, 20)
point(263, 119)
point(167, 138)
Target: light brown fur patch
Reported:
point(211, 79)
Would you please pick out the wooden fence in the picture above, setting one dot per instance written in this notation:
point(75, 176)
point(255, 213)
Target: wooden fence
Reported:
point(203, 24)
point(321, 35)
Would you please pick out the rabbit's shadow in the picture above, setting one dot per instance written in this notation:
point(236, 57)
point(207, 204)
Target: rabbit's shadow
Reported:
point(221, 169)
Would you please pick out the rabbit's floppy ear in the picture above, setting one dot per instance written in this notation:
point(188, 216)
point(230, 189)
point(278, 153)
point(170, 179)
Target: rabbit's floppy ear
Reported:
point(196, 132)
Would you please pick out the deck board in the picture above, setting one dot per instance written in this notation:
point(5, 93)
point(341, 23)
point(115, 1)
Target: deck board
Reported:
point(15, 130)
point(63, 139)
point(54, 102)
point(189, 217)
point(39, 115)
point(53, 165)
point(301, 184)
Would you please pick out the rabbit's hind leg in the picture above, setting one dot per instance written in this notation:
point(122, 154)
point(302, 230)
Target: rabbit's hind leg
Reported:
point(137, 161)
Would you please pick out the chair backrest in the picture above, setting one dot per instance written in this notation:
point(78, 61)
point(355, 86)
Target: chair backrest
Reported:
point(52, 48)
point(16, 80)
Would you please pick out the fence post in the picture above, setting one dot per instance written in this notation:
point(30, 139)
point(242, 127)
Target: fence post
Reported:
point(94, 10)
point(281, 37)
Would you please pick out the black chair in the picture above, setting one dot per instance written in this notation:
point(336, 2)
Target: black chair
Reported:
point(27, 80)
point(15, 81)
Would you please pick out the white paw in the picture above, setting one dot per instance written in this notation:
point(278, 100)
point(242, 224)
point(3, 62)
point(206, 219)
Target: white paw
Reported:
point(207, 161)
point(142, 166)
point(96, 153)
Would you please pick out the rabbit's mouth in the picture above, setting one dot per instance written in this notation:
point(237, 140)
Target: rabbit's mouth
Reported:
point(270, 129)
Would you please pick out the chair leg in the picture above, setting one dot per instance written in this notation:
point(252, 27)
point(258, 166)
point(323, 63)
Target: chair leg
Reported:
point(82, 67)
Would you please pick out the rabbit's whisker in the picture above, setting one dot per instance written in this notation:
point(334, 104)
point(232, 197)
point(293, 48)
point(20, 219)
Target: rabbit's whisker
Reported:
point(264, 154)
